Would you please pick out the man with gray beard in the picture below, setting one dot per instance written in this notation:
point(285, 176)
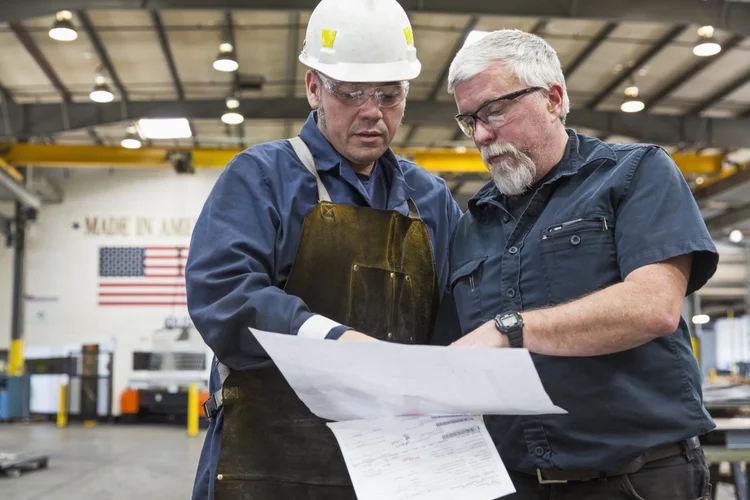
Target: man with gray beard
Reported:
point(581, 252)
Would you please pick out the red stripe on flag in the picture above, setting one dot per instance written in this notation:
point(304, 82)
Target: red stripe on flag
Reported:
point(164, 275)
point(165, 248)
point(181, 257)
point(164, 267)
point(181, 285)
point(107, 294)
point(142, 303)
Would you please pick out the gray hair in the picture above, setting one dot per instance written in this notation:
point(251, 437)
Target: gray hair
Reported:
point(529, 57)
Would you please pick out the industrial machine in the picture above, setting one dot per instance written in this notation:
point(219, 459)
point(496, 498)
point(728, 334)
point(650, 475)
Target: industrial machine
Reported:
point(158, 388)
point(15, 394)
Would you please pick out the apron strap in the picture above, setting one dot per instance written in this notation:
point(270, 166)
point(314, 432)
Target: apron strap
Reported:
point(413, 210)
point(216, 400)
point(306, 157)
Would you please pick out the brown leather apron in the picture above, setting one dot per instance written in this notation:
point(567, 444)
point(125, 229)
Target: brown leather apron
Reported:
point(369, 269)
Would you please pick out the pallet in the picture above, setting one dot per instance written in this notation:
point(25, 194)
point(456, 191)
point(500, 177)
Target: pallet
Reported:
point(13, 464)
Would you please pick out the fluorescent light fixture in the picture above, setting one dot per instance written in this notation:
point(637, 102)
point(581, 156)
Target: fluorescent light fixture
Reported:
point(736, 236)
point(232, 118)
point(701, 319)
point(475, 36)
point(62, 30)
point(164, 128)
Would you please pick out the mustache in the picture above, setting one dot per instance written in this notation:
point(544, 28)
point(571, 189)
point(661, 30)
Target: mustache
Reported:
point(496, 149)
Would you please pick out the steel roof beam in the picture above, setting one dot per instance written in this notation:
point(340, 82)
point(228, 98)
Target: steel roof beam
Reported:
point(589, 49)
point(642, 60)
point(732, 16)
point(39, 58)
point(166, 49)
point(443, 77)
point(44, 119)
point(684, 77)
point(721, 94)
point(101, 52)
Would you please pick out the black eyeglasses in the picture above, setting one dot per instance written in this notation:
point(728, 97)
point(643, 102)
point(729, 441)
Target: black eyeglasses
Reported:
point(492, 111)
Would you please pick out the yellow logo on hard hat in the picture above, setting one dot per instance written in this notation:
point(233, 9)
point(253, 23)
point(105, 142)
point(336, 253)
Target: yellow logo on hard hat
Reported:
point(328, 37)
point(409, 35)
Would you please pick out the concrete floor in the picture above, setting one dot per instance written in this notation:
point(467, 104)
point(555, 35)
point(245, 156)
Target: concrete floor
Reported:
point(107, 462)
point(113, 462)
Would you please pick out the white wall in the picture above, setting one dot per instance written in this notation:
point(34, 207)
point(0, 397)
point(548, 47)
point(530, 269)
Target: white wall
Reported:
point(62, 260)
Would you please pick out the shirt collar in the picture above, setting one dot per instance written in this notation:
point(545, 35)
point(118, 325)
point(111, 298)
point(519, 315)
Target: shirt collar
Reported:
point(580, 151)
point(327, 159)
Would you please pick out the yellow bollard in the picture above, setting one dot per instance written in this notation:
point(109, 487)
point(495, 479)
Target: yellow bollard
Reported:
point(192, 411)
point(62, 407)
point(15, 358)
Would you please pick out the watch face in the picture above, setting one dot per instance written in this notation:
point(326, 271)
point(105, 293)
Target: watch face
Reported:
point(508, 321)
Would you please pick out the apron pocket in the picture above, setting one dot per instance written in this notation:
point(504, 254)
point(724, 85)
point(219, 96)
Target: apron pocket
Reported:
point(375, 312)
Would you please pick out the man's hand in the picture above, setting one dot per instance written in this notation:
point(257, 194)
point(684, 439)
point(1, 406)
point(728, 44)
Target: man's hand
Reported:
point(352, 336)
point(486, 335)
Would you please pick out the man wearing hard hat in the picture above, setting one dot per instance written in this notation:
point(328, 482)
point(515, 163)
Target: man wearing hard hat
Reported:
point(328, 236)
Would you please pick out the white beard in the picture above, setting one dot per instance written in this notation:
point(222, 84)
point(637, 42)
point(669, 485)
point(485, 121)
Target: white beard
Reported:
point(514, 174)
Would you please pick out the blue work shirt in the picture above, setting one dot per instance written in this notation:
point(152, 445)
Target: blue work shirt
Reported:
point(604, 211)
point(246, 239)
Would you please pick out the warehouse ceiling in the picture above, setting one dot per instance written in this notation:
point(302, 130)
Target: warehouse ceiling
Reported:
point(156, 56)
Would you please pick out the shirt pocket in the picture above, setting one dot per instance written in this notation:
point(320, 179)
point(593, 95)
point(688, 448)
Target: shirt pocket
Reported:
point(579, 257)
point(464, 284)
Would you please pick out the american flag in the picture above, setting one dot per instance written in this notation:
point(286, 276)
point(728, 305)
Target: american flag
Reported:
point(142, 276)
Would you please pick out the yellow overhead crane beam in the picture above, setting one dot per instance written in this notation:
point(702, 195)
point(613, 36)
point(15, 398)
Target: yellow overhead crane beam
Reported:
point(455, 161)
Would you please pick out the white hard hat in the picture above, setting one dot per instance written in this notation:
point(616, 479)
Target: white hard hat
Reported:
point(361, 41)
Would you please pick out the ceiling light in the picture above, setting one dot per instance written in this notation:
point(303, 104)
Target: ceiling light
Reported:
point(62, 30)
point(736, 236)
point(707, 44)
point(701, 319)
point(101, 93)
point(132, 140)
point(232, 118)
point(632, 104)
point(233, 103)
point(475, 36)
point(226, 60)
point(164, 128)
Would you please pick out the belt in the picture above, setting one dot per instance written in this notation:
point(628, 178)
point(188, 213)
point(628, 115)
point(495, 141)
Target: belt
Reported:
point(546, 476)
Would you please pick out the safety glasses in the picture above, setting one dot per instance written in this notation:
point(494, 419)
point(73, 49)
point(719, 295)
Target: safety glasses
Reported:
point(491, 112)
point(356, 94)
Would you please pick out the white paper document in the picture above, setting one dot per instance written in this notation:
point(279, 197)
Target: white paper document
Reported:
point(422, 458)
point(366, 380)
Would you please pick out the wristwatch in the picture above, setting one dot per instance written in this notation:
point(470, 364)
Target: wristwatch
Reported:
point(511, 325)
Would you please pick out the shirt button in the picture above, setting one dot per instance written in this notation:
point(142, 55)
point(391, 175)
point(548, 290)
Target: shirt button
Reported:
point(510, 293)
point(506, 218)
point(575, 239)
point(538, 451)
point(513, 250)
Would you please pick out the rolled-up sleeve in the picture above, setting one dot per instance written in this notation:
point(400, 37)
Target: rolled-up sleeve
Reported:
point(229, 269)
point(658, 219)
